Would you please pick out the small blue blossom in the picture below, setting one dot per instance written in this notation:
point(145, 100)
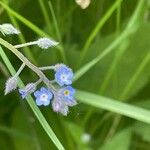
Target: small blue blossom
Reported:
point(11, 85)
point(62, 99)
point(63, 75)
point(67, 94)
point(43, 96)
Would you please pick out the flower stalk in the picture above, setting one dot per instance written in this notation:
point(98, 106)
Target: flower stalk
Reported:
point(59, 92)
point(20, 70)
point(27, 62)
point(43, 43)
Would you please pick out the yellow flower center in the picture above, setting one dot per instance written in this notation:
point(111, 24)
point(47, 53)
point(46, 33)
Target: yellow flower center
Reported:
point(66, 92)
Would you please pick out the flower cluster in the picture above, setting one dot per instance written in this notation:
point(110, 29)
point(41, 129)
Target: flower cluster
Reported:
point(61, 97)
point(57, 92)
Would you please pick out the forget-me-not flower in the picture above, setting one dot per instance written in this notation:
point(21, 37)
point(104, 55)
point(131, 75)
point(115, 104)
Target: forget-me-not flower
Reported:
point(67, 94)
point(63, 98)
point(43, 96)
point(63, 75)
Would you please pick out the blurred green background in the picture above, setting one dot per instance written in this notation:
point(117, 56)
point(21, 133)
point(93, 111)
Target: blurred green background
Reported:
point(117, 31)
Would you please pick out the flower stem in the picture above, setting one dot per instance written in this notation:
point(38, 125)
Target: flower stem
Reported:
point(20, 69)
point(47, 68)
point(38, 82)
point(25, 44)
point(27, 62)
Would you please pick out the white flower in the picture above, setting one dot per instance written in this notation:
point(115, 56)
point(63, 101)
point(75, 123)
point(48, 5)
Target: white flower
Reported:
point(83, 3)
point(11, 84)
point(8, 29)
point(45, 43)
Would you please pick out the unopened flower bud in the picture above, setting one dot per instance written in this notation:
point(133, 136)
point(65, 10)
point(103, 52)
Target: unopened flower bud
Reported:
point(59, 106)
point(8, 29)
point(28, 89)
point(11, 84)
point(45, 43)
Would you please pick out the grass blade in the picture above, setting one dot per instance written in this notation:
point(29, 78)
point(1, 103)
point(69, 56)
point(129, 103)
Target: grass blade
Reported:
point(114, 106)
point(129, 30)
point(95, 31)
point(131, 82)
point(57, 31)
point(21, 37)
point(45, 13)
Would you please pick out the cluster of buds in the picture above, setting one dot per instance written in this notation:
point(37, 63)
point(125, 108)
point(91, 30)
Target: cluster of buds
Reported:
point(57, 92)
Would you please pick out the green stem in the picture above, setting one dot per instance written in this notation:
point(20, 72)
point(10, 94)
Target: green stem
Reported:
point(45, 13)
point(21, 37)
point(25, 44)
point(29, 24)
point(4, 70)
point(57, 32)
point(95, 31)
point(118, 54)
point(79, 73)
point(118, 18)
point(20, 69)
point(107, 78)
point(47, 68)
point(136, 75)
point(98, 125)
point(27, 62)
point(128, 31)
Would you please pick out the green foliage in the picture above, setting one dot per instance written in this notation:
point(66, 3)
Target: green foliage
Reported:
point(107, 45)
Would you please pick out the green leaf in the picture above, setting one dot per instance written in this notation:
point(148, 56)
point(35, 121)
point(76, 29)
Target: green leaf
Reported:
point(114, 106)
point(128, 31)
point(23, 134)
point(121, 141)
point(143, 130)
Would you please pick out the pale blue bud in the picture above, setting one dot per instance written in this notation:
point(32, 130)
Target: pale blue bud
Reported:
point(8, 29)
point(28, 89)
point(11, 84)
point(45, 43)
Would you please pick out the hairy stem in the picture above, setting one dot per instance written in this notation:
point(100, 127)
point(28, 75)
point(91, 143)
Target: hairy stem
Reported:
point(27, 62)
point(47, 68)
point(25, 44)
point(20, 69)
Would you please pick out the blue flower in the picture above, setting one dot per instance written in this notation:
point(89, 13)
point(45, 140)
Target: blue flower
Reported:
point(67, 94)
point(43, 96)
point(62, 99)
point(63, 75)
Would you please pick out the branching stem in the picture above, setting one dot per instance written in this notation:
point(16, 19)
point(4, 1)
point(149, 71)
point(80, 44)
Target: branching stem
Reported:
point(28, 63)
